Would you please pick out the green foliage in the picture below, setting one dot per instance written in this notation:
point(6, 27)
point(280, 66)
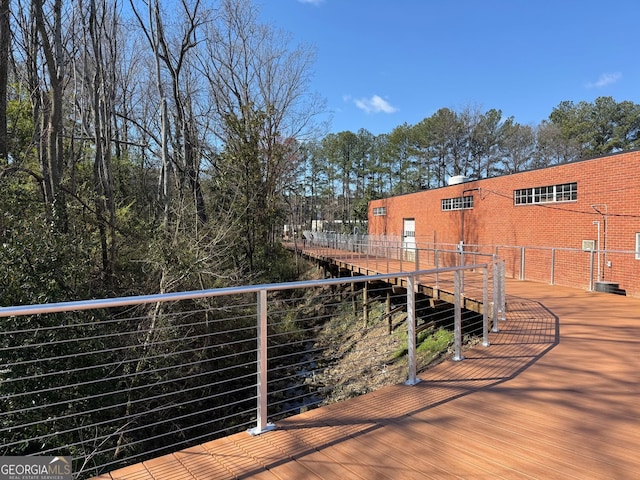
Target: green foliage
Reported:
point(602, 127)
point(20, 127)
point(470, 142)
point(38, 263)
point(429, 344)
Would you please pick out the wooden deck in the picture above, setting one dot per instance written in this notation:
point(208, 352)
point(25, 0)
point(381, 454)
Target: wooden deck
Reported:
point(556, 395)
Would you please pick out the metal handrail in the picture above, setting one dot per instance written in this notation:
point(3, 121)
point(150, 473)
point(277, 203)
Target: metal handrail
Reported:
point(42, 308)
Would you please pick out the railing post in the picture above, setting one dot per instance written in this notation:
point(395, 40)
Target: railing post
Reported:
point(435, 261)
point(496, 292)
point(502, 292)
point(461, 247)
point(553, 266)
point(411, 331)
point(457, 316)
point(262, 424)
point(485, 309)
point(387, 257)
point(591, 270)
point(522, 263)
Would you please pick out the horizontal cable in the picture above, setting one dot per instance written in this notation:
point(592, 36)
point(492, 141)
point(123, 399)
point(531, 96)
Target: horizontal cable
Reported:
point(120, 362)
point(145, 413)
point(103, 322)
point(119, 377)
point(131, 402)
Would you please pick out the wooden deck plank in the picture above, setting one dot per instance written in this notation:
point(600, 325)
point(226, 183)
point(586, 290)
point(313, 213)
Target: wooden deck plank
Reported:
point(167, 467)
point(276, 460)
point(202, 464)
point(132, 472)
point(235, 460)
point(555, 396)
point(308, 455)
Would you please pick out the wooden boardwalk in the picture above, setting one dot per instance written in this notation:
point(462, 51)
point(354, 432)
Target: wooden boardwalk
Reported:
point(556, 395)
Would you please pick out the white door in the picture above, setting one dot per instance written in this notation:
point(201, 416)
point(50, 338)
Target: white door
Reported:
point(409, 238)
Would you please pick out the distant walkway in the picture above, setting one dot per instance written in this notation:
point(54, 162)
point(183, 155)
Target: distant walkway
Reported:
point(556, 396)
point(441, 289)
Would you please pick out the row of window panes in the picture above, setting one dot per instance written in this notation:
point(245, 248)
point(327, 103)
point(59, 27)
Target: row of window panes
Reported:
point(565, 192)
point(458, 203)
point(379, 211)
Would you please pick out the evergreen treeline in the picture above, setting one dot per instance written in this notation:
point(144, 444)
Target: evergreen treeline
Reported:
point(344, 171)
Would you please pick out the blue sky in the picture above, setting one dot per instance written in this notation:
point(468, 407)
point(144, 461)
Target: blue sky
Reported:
point(381, 63)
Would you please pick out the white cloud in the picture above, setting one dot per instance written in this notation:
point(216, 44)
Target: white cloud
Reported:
point(312, 2)
point(605, 79)
point(375, 104)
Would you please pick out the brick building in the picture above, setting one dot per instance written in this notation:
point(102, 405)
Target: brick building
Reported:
point(575, 224)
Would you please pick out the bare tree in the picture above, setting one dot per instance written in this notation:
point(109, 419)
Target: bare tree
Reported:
point(518, 147)
point(97, 65)
point(153, 29)
point(5, 45)
point(171, 56)
point(259, 90)
point(553, 147)
point(49, 29)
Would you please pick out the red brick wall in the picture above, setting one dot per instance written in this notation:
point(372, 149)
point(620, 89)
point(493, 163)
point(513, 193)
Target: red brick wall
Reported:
point(495, 220)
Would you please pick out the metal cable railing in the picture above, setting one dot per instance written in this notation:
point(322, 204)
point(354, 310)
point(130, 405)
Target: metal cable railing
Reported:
point(575, 267)
point(112, 382)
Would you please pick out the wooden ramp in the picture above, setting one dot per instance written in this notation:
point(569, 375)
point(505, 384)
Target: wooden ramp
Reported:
point(556, 396)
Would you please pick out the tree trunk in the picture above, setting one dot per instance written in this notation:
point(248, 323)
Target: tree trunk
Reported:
point(51, 158)
point(5, 41)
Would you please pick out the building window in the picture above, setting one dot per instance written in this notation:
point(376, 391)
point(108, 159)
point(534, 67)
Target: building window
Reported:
point(637, 246)
point(379, 211)
point(565, 192)
point(458, 203)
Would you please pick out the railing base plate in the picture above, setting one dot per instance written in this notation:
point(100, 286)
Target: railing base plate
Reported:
point(412, 382)
point(257, 430)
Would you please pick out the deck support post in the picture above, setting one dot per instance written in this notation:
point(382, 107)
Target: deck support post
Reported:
point(354, 302)
point(365, 304)
point(387, 311)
